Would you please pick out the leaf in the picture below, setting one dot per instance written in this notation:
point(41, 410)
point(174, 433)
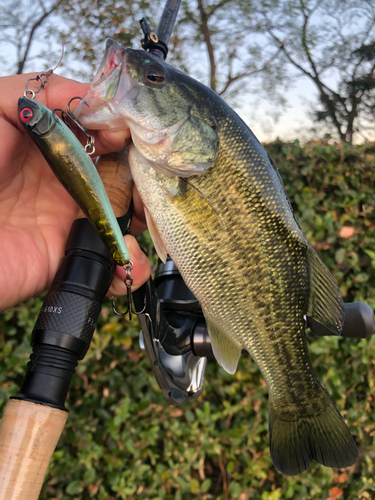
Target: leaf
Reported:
point(206, 485)
point(371, 254)
point(74, 488)
point(235, 489)
point(335, 493)
point(340, 255)
point(194, 486)
point(175, 412)
point(89, 476)
point(346, 232)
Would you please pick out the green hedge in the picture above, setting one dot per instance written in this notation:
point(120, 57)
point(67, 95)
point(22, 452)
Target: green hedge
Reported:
point(122, 441)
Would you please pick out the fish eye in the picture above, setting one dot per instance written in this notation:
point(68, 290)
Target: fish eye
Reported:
point(155, 74)
point(26, 114)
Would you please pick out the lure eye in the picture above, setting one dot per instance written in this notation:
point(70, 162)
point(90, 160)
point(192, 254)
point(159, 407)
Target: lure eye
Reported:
point(155, 74)
point(26, 114)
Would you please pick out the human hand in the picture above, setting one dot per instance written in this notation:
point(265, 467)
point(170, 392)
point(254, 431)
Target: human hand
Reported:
point(36, 212)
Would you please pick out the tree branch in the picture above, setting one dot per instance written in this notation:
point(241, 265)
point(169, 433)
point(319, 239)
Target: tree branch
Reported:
point(207, 38)
point(231, 79)
point(39, 22)
point(217, 6)
point(324, 91)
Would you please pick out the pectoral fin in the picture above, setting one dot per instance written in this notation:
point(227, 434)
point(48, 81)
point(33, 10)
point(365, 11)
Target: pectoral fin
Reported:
point(325, 301)
point(156, 238)
point(226, 351)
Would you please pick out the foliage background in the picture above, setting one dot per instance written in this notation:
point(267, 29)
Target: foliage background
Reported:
point(122, 441)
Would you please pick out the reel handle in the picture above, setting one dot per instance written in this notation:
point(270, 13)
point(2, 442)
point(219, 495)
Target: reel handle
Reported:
point(359, 322)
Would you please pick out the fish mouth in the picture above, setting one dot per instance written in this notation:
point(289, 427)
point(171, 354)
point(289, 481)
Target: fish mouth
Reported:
point(111, 100)
point(112, 71)
point(113, 57)
point(112, 84)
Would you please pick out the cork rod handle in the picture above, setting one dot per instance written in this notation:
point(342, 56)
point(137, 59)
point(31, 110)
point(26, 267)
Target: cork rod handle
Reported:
point(115, 173)
point(29, 434)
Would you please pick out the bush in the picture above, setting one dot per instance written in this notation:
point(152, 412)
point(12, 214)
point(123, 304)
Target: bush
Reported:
point(123, 441)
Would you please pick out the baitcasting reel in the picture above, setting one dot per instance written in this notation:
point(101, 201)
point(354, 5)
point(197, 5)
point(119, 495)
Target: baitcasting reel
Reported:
point(175, 336)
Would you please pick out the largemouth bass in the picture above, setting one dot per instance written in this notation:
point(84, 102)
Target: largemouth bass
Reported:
point(217, 205)
point(75, 170)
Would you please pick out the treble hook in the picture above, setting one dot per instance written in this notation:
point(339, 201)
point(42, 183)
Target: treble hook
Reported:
point(90, 148)
point(128, 283)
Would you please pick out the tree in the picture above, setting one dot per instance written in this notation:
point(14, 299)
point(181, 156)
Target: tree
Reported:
point(229, 33)
point(261, 46)
point(37, 30)
point(332, 43)
point(234, 46)
point(117, 19)
point(225, 30)
point(20, 24)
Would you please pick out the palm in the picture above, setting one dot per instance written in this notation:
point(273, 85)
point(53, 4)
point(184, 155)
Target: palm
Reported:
point(36, 215)
point(36, 212)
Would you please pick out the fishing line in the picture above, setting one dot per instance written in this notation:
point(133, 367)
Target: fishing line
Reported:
point(50, 71)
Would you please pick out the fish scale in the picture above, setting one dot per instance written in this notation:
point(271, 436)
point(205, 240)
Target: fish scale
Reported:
point(269, 310)
point(217, 205)
point(240, 296)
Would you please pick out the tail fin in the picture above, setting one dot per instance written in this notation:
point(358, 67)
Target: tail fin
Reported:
point(323, 437)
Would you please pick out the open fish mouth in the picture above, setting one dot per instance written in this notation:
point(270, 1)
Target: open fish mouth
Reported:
point(113, 58)
point(113, 75)
point(112, 85)
point(111, 102)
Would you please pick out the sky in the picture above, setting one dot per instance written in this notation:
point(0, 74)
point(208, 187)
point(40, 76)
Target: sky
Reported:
point(258, 113)
point(292, 122)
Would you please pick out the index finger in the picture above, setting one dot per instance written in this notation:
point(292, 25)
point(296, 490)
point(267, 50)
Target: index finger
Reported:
point(56, 94)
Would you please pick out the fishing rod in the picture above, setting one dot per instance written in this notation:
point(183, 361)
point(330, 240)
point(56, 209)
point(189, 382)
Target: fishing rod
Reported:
point(34, 419)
